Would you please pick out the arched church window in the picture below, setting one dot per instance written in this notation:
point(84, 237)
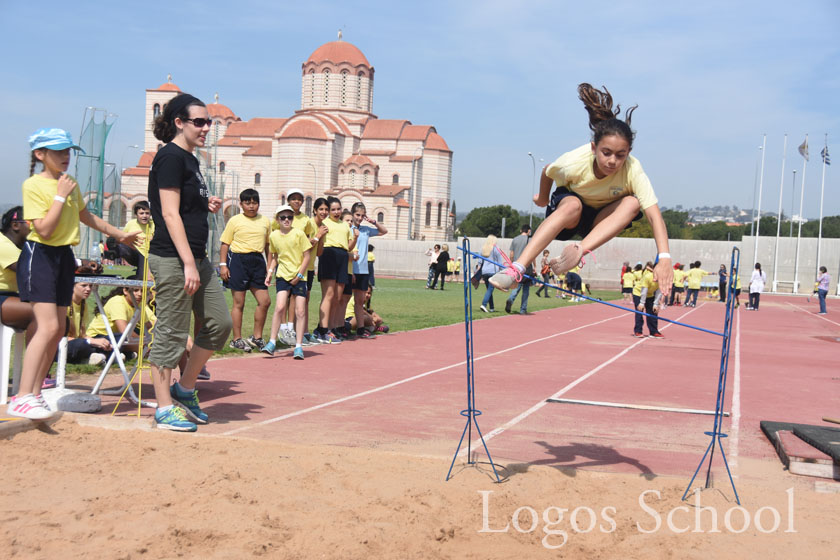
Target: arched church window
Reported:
point(440, 213)
point(352, 177)
point(221, 167)
point(258, 177)
point(312, 87)
point(359, 90)
point(428, 213)
point(344, 87)
point(326, 85)
point(380, 217)
point(395, 179)
point(156, 110)
point(309, 205)
point(365, 179)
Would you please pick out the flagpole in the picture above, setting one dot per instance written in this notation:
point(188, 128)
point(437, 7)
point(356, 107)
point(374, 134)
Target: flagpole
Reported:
point(779, 218)
point(799, 231)
point(758, 214)
point(822, 192)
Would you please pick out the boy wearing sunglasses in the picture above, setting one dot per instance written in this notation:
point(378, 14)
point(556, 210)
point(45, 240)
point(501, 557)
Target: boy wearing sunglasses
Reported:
point(242, 266)
point(290, 254)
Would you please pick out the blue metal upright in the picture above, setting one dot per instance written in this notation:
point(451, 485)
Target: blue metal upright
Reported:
point(471, 413)
point(716, 434)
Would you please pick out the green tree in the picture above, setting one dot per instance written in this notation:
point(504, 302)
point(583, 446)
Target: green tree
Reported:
point(487, 220)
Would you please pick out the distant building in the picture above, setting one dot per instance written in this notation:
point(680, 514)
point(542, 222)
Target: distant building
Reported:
point(333, 145)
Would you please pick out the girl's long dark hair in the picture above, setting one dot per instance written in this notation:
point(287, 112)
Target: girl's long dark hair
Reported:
point(603, 119)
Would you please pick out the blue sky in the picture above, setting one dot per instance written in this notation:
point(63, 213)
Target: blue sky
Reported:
point(496, 78)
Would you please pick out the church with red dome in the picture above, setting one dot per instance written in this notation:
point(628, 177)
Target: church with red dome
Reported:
point(334, 145)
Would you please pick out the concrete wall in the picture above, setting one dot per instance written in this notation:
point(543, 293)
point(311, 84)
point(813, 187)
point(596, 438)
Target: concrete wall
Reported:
point(785, 271)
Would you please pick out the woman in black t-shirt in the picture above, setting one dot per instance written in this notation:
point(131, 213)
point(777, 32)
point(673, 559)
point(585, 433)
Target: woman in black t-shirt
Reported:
point(185, 280)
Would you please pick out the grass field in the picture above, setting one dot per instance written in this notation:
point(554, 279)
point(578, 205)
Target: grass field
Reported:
point(403, 304)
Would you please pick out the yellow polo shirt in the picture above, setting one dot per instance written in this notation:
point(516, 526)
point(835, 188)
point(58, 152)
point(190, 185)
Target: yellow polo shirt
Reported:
point(695, 276)
point(304, 223)
point(148, 231)
point(574, 170)
point(627, 279)
point(116, 308)
point(339, 234)
point(9, 254)
point(38, 194)
point(246, 235)
point(289, 249)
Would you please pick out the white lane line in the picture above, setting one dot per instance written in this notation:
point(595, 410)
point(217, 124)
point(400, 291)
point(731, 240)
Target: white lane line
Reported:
point(516, 420)
point(409, 379)
point(735, 425)
point(812, 313)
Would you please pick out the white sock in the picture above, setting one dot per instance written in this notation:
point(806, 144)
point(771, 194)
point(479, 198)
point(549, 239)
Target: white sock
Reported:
point(165, 408)
point(297, 346)
point(289, 326)
point(273, 341)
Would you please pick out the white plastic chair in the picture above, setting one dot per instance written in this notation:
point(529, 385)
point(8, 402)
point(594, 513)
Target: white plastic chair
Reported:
point(6, 335)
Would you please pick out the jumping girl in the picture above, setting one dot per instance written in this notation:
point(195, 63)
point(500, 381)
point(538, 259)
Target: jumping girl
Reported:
point(601, 190)
point(53, 205)
point(185, 280)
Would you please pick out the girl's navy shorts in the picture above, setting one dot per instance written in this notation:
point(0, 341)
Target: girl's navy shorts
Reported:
point(46, 274)
point(587, 215)
point(332, 265)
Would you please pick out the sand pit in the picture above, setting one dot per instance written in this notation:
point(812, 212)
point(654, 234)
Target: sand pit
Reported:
point(76, 491)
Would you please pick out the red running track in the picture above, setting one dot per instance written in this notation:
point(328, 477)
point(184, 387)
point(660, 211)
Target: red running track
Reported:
point(404, 392)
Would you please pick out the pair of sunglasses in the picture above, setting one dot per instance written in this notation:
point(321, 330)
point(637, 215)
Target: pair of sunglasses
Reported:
point(285, 217)
point(200, 123)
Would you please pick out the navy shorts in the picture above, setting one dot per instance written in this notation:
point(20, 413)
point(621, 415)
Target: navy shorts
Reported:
point(361, 282)
point(46, 274)
point(626, 290)
point(573, 281)
point(737, 291)
point(247, 271)
point(587, 215)
point(4, 295)
point(332, 265)
point(298, 289)
point(310, 278)
point(679, 289)
point(348, 287)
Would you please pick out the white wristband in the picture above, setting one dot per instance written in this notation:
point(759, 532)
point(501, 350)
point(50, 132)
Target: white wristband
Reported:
point(664, 255)
point(222, 264)
point(61, 199)
point(317, 239)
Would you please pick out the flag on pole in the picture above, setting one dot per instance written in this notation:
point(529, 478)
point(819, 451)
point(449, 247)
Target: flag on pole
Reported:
point(803, 149)
point(825, 156)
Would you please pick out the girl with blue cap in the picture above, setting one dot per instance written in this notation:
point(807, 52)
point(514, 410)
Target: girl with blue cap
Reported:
point(53, 205)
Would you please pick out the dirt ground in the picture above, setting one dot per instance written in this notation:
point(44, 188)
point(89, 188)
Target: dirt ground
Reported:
point(74, 490)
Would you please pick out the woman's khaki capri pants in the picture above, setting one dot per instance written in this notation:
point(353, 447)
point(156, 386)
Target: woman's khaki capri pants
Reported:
point(175, 308)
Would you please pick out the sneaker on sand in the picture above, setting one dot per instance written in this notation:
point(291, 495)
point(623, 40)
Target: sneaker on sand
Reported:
point(570, 257)
point(97, 359)
point(269, 348)
point(240, 344)
point(506, 279)
point(189, 402)
point(298, 355)
point(254, 342)
point(30, 407)
point(174, 419)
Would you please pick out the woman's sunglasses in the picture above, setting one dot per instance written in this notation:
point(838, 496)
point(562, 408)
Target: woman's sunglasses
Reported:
point(285, 217)
point(200, 123)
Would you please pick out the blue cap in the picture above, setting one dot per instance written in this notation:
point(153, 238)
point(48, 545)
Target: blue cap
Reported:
point(52, 139)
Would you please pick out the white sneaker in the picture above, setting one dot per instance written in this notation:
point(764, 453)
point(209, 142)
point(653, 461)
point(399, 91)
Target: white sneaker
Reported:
point(96, 359)
point(30, 407)
point(290, 338)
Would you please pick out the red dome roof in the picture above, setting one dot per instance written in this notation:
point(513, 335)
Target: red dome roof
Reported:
point(339, 51)
point(168, 86)
point(217, 110)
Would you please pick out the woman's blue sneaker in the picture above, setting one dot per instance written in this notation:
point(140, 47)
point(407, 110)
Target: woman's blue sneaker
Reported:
point(189, 402)
point(175, 420)
point(268, 348)
point(298, 353)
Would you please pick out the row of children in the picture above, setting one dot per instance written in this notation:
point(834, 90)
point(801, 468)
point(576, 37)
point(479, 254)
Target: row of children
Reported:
point(289, 244)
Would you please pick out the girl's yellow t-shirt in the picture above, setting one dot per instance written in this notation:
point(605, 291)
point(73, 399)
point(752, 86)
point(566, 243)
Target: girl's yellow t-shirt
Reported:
point(38, 195)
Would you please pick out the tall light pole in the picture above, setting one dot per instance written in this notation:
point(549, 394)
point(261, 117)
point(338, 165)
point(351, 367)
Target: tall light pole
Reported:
point(760, 188)
point(413, 196)
point(755, 192)
point(792, 202)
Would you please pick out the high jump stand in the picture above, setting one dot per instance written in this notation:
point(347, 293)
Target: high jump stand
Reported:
point(716, 434)
point(471, 413)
